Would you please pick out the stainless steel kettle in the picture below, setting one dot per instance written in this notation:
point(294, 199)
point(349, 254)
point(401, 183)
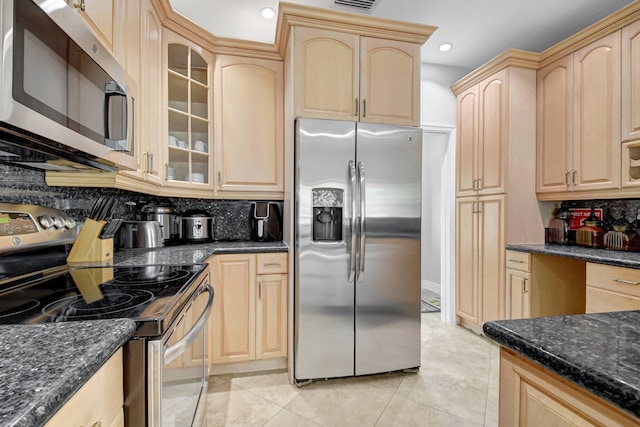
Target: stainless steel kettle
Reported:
point(140, 235)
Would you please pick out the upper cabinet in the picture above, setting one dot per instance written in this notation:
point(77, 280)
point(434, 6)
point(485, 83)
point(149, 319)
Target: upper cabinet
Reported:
point(248, 112)
point(350, 77)
point(482, 137)
point(99, 15)
point(579, 144)
point(188, 122)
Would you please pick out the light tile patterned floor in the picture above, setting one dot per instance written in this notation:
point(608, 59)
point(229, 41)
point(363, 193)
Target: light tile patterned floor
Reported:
point(457, 386)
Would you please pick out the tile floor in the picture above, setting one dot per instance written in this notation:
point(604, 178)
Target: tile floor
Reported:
point(457, 386)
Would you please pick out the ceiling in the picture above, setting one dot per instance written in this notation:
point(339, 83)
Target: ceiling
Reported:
point(478, 29)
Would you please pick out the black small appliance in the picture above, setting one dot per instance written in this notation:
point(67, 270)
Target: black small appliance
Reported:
point(266, 222)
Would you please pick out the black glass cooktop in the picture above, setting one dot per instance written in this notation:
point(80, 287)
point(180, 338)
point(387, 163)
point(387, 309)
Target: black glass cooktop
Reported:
point(148, 294)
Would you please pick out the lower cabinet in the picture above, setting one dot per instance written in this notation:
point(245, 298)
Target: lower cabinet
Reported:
point(250, 307)
point(532, 396)
point(98, 402)
point(542, 285)
point(612, 288)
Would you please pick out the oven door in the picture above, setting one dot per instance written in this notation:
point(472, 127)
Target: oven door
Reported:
point(178, 367)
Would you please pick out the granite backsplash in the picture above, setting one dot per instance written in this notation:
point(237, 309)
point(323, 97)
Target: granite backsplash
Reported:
point(630, 208)
point(19, 185)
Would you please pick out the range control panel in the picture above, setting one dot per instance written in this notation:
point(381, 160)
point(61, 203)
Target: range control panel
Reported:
point(32, 226)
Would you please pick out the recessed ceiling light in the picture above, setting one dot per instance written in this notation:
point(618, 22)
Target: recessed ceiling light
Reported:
point(268, 13)
point(445, 47)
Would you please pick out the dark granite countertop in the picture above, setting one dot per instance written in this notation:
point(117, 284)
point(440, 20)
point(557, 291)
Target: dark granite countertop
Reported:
point(42, 366)
point(600, 256)
point(599, 352)
point(193, 253)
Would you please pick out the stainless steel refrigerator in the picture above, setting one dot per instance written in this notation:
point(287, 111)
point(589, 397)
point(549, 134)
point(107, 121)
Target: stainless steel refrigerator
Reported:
point(357, 248)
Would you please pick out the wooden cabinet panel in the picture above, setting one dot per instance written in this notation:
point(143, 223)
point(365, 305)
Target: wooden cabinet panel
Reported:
point(491, 252)
point(89, 405)
point(250, 317)
point(99, 15)
point(530, 395)
point(248, 108)
point(467, 139)
point(597, 114)
point(631, 82)
point(348, 77)
point(612, 288)
point(466, 259)
point(271, 316)
point(234, 308)
point(389, 81)
point(493, 134)
point(518, 261)
point(518, 302)
point(326, 74)
point(554, 126)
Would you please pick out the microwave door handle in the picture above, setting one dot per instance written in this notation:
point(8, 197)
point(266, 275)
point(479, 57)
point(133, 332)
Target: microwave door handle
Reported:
point(171, 353)
point(363, 218)
point(354, 207)
point(113, 89)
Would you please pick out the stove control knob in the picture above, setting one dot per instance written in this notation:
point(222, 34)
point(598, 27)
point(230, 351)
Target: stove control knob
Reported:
point(69, 223)
point(58, 221)
point(45, 221)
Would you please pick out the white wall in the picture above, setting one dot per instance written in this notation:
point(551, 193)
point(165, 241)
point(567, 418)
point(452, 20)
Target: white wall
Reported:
point(438, 120)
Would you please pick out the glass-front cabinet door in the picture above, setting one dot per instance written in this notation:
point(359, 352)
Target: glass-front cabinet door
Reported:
point(189, 124)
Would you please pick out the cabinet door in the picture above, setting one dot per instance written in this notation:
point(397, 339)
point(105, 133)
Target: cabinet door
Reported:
point(597, 114)
point(389, 82)
point(467, 139)
point(631, 82)
point(189, 78)
point(554, 126)
point(234, 308)
point(491, 254)
point(99, 15)
point(151, 91)
point(271, 316)
point(325, 74)
point(248, 106)
point(517, 287)
point(467, 259)
point(493, 134)
point(127, 35)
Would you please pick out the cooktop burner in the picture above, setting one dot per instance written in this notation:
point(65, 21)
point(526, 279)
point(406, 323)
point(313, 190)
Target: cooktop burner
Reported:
point(151, 275)
point(110, 302)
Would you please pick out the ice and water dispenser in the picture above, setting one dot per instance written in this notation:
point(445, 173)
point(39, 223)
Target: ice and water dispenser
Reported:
point(327, 214)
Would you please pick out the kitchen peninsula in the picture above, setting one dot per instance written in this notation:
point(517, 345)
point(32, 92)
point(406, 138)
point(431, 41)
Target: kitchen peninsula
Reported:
point(546, 364)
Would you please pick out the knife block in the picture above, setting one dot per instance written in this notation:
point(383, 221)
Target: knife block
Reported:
point(89, 247)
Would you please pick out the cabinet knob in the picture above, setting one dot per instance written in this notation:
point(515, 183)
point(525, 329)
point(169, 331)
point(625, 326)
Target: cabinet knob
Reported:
point(80, 5)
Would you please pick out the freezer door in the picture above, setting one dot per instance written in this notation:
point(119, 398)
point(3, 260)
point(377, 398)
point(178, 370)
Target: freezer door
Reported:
point(324, 298)
point(388, 277)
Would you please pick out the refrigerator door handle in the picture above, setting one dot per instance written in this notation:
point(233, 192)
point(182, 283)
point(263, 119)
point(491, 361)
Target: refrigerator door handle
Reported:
point(363, 218)
point(354, 207)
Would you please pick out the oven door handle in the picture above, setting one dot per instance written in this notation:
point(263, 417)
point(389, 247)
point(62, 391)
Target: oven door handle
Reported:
point(171, 353)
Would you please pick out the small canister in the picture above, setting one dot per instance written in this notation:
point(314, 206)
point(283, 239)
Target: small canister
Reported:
point(591, 232)
point(622, 237)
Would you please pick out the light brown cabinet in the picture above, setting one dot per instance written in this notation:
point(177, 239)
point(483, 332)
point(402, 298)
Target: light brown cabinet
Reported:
point(483, 137)
point(542, 285)
point(188, 123)
point(532, 396)
point(630, 115)
point(495, 138)
point(98, 402)
point(480, 292)
point(99, 15)
point(249, 126)
point(250, 309)
point(611, 288)
point(349, 77)
point(579, 120)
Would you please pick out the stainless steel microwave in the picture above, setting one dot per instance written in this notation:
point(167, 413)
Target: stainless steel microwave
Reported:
point(62, 94)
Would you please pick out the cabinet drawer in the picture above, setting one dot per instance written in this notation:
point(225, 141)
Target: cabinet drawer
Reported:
point(603, 301)
point(89, 405)
point(519, 260)
point(615, 279)
point(272, 263)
